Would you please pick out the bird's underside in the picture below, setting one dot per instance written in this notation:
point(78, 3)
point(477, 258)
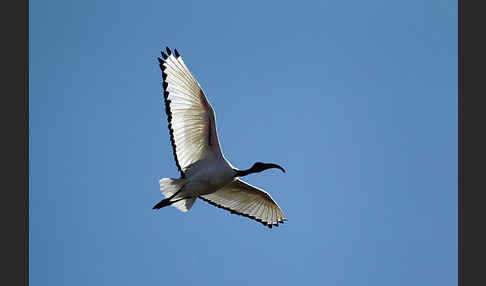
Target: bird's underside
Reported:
point(205, 173)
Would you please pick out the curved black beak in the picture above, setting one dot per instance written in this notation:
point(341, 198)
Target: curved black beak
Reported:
point(271, 165)
point(257, 168)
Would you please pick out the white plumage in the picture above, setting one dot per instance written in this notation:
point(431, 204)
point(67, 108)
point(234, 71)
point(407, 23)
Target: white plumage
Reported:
point(205, 172)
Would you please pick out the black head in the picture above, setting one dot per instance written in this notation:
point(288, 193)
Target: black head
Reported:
point(259, 167)
point(256, 168)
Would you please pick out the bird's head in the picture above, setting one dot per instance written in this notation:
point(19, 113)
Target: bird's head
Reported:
point(259, 167)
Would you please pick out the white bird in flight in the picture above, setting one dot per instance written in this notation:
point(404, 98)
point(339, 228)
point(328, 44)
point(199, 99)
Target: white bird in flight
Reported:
point(205, 172)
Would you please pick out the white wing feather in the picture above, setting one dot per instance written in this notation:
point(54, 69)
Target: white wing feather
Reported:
point(244, 199)
point(192, 124)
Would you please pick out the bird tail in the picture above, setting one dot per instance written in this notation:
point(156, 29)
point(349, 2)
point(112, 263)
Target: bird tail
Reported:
point(171, 188)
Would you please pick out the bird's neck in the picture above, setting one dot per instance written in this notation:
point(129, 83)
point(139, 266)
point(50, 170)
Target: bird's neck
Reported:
point(241, 173)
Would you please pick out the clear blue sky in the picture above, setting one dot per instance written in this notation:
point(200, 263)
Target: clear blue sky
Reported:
point(356, 99)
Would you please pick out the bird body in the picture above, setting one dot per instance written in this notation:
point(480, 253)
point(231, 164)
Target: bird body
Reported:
point(205, 172)
point(207, 176)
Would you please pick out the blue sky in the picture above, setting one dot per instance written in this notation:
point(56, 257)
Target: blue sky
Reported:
point(356, 100)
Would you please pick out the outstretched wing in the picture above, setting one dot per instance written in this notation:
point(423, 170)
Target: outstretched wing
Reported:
point(244, 199)
point(192, 124)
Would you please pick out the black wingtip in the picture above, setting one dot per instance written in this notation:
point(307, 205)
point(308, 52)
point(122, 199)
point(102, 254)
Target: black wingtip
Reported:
point(161, 62)
point(164, 55)
point(169, 52)
point(164, 76)
point(165, 85)
point(177, 53)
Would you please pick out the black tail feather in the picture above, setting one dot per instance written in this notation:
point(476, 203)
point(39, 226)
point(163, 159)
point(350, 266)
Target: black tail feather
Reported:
point(163, 203)
point(166, 202)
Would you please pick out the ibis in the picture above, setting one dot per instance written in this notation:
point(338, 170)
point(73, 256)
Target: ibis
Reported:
point(204, 171)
